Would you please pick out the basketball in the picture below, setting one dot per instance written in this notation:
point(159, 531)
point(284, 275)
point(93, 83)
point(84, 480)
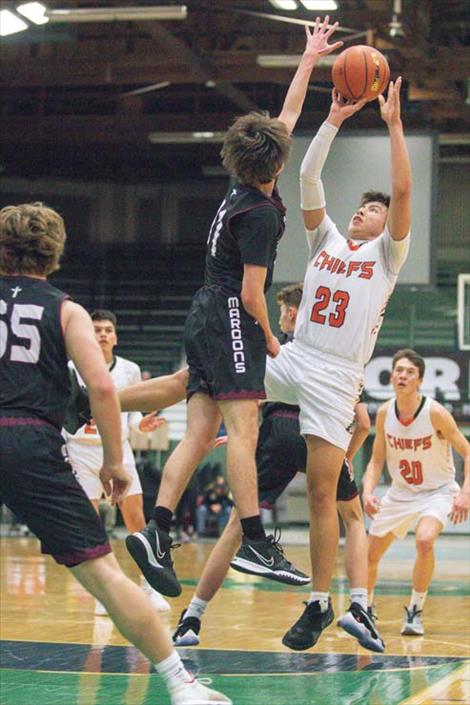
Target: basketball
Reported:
point(360, 72)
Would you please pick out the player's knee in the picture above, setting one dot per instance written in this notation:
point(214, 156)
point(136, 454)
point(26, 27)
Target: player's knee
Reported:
point(99, 574)
point(425, 543)
point(244, 433)
point(322, 498)
point(351, 513)
point(181, 377)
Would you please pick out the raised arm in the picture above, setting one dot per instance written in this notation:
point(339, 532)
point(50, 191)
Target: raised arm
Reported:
point(374, 469)
point(316, 46)
point(399, 218)
point(312, 194)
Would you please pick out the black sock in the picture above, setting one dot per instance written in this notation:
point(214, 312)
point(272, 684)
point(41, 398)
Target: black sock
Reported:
point(162, 517)
point(253, 528)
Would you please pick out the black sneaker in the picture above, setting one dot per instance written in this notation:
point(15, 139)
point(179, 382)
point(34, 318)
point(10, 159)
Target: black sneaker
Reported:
point(266, 558)
point(151, 550)
point(307, 629)
point(361, 625)
point(187, 631)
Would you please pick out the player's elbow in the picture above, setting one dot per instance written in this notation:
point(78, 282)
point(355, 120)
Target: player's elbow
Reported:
point(101, 388)
point(249, 299)
point(401, 189)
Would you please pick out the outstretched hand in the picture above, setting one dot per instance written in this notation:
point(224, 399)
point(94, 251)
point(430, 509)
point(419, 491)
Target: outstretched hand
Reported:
point(342, 109)
point(150, 422)
point(317, 38)
point(390, 108)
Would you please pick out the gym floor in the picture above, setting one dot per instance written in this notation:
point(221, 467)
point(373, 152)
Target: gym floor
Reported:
point(55, 651)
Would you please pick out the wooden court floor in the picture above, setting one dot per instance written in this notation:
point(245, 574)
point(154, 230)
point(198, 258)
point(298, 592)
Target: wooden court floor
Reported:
point(55, 651)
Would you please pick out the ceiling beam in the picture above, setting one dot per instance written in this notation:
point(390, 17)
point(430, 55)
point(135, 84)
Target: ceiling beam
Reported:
point(200, 68)
point(131, 129)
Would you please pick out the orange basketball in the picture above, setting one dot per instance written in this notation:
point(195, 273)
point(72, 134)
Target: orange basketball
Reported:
point(360, 72)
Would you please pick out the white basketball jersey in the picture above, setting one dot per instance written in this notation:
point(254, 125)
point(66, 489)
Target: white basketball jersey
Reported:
point(124, 372)
point(417, 459)
point(346, 289)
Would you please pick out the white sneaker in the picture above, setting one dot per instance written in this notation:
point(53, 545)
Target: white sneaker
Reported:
point(195, 693)
point(413, 622)
point(100, 609)
point(157, 600)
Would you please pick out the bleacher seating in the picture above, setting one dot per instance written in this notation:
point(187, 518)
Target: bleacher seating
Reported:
point(420, 318)
point(149, 290)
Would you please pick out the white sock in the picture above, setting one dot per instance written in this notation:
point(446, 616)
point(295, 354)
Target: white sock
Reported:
point(321, 597)
point(359, 595)
point(196, 608)
point(417, 599)
point(173, 672)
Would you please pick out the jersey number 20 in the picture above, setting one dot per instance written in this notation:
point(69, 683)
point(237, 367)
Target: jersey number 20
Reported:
point(340, 300)
point(29, 332)
point(411, 472)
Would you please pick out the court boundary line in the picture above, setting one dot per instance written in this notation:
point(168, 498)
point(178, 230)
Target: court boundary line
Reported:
point(426, 694)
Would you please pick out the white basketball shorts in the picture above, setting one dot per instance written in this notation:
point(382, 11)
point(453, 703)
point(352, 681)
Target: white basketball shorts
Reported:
point(325, 387)
point(398, 514)
point(87, 461)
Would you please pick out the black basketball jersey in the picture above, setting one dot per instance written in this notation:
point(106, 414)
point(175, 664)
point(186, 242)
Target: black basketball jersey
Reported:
point(34, 379)
point(245, 230)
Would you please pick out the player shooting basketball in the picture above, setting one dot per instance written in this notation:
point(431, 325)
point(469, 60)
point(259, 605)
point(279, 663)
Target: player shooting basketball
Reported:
point(346, 289)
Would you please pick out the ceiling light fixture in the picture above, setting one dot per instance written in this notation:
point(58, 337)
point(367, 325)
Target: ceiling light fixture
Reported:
point(118, 14)
point(284, 4)
point(320, 5)
point(10, 23)
point(33, 11)
point(148, 89)
point(282, 61)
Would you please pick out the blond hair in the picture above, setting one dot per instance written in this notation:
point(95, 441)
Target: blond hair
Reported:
point(32, 238)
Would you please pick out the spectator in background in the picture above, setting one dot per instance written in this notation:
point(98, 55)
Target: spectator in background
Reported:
point(215, 502)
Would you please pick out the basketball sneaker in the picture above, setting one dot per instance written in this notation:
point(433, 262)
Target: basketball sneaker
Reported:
point(266, 559)
point(151, 550)
point(361, 625)
point(157, 600)
point(195, 693)
point(413, 623)
point(307, 629)
point(187, 631)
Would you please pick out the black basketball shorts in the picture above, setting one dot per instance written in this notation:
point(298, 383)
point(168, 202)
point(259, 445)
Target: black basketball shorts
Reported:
point(38, 484)
point(225, 348)
point(281, 453)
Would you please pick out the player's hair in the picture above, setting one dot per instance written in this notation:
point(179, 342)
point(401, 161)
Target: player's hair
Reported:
point(290, 295)
point(103, 314)
point(413, 357)
point(379, 196)
point(32, 239)
point(255, 147)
